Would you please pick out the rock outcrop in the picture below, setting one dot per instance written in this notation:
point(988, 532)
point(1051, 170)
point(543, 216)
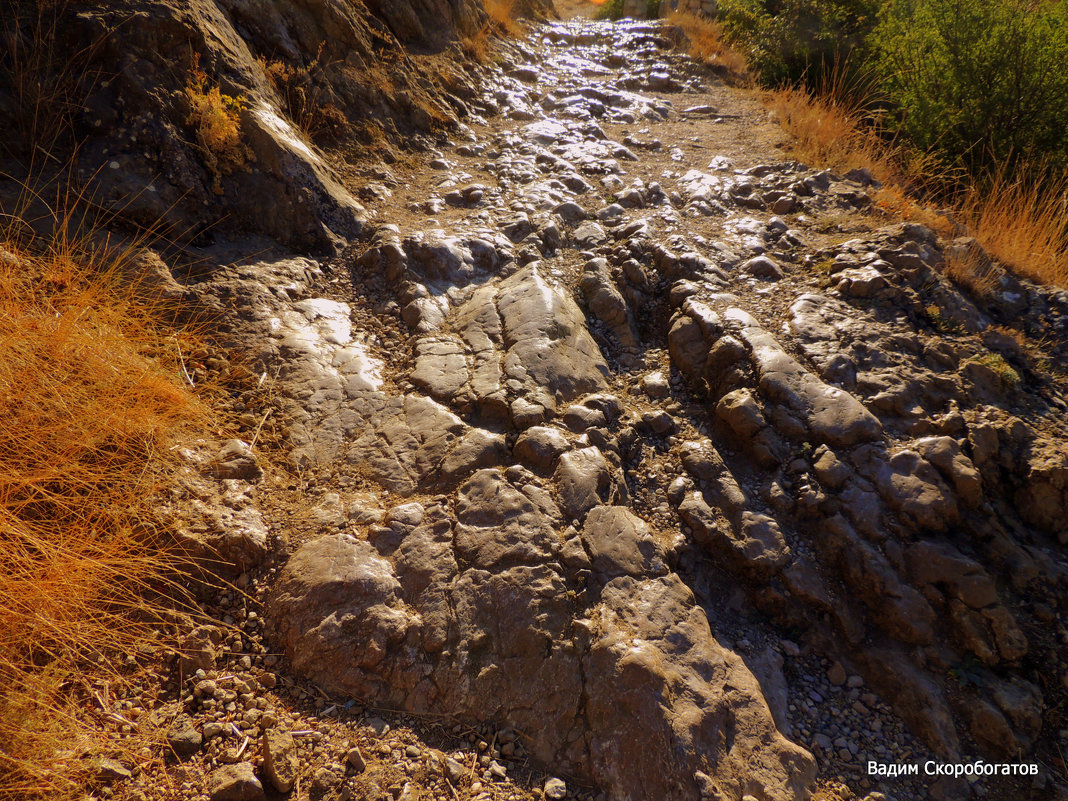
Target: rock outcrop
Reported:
point(591, 425)
point(216, 116)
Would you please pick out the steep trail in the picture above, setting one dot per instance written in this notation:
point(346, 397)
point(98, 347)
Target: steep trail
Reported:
point(630, 435)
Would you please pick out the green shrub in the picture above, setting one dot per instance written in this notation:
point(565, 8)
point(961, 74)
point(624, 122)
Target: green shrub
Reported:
point(979, 81)
point(613, 9)
point(790, 41)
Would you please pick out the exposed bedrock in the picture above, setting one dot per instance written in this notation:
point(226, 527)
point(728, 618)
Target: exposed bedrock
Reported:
point(583, 453)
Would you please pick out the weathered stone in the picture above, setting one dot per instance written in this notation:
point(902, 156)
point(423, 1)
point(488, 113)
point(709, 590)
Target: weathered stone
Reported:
point(834, 416)
point(235, 783)
point(830, 470)
point(498, 524)
point(1043, 496)
point(585, 480)
point(898, 608)
point(752, 540)
point(741, 411)
point(183, 737)
point(280, 760)
point(588, 236)
point(687, 346)
point(916, 491)
point(763, 267)
point(620, 543)
point(237, 461)
point(945, 454)
point(647, 625)
point(539, 447)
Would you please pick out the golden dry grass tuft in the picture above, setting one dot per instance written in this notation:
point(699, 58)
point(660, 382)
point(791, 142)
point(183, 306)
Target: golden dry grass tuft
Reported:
point(91, 402)
point(478, 46)
point(502, 13)
point(829, 131)
point(216, 120)
point(708, 44)
point(1022, 222)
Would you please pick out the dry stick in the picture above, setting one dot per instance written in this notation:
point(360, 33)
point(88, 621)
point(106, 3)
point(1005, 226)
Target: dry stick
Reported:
point(256, 436)
point(181, 362)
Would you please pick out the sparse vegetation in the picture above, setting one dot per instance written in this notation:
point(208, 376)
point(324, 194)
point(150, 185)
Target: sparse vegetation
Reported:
point(303, 96)
point(941, 323)
point(45, 79)
point(91, 400)
point(956, 107)
point(612, 9)
point(502, 14)
point(997, 363)
point(216, 121)
point(477, 46)
point(708, 43)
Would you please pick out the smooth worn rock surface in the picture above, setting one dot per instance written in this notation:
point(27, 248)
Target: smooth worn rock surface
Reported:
point(638, 452)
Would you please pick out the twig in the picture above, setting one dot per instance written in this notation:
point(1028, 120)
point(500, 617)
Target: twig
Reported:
point(181, 363)
point(244, 745)
point(256, 436)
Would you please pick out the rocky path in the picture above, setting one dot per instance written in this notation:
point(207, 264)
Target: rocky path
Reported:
point(650, 458)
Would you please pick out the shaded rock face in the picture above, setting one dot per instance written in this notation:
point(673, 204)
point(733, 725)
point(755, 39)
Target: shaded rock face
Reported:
point(140, 154)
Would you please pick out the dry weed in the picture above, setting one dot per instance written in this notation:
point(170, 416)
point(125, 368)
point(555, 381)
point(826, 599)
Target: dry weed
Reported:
point(216, 119)
point(476, 46)
point(502, 14)
point(828, 131)
point(708, 44)
point(1022, 221)
point(90, 404)
point(46, 79)
point(299, 89)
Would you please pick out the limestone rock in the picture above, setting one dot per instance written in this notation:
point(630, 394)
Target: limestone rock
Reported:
point(497, 524)
point(280, 760)
point(539, 447)
point(620, 543)
point(833, 416)
point(647, 625)
point(585, 480)
point(235, 783)
point(1043, 496)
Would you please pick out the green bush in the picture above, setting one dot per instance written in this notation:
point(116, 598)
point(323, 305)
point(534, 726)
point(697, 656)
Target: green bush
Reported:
point(793, 41)
point(613, 9)
point(979, 81)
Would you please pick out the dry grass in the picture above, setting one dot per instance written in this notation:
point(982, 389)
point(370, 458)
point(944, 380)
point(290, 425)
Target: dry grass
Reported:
point(708, 44)
point(298, 88)
point(502, 14)
point(90, 403)
point(1022, 222)
point(46, 79)
point(216, 120)
point(829, 131)
point(478, 46)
